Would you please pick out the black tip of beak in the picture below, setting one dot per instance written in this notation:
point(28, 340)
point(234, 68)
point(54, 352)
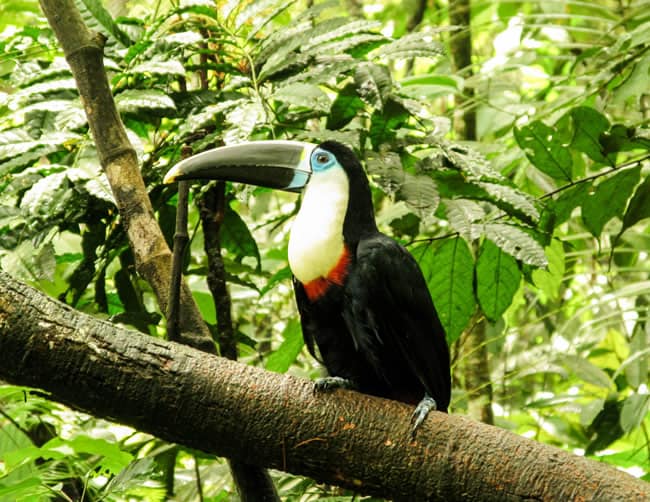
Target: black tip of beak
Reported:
point(282, 165)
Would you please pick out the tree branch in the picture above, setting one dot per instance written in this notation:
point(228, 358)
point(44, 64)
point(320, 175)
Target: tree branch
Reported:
point(248, 414)
point(84, 52)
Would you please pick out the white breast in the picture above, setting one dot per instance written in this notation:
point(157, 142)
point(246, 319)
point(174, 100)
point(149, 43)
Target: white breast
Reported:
point(316, 240)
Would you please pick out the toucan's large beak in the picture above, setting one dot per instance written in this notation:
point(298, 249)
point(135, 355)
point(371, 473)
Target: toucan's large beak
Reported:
point(276, 164)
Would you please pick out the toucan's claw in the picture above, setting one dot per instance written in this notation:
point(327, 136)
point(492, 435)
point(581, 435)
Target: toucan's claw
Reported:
point(421, 411)
point(331, 383)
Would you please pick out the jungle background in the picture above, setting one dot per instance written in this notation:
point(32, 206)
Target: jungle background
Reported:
point(510, 157)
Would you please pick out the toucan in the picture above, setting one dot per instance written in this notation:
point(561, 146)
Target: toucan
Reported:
point(362, 298)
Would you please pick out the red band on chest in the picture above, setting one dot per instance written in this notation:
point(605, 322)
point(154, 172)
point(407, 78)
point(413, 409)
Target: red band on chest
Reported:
point(318, 287)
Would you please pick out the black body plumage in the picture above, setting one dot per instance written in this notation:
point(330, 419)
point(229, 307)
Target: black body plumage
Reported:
point(379, 329)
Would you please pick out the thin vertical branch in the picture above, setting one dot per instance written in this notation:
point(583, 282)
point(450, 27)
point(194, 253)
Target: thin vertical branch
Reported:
point(181, 239)
point(476, 365)
point(212, 208)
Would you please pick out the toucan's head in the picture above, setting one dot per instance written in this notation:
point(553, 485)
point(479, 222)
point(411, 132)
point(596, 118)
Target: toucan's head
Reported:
point(337, 182)
point(279, 164)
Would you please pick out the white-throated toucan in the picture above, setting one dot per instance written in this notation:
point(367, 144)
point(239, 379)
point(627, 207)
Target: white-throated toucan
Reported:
point(361, 296)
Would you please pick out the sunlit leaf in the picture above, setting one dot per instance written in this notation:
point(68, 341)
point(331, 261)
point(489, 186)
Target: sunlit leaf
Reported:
point(171, 67)
point(418, 44)
point(136, 100)
point(281, 358)
point(587, 371)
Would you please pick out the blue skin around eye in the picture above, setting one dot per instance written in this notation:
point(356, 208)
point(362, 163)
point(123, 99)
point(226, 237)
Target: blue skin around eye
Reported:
point(318, 165)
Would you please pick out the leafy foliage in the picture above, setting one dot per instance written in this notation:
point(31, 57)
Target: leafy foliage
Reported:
point(540, 227)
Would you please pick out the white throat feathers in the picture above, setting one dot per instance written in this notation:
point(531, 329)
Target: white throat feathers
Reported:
point(316, 240)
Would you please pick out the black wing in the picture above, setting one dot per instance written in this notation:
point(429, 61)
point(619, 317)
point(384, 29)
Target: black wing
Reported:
point(309, 327)
point(391, 317)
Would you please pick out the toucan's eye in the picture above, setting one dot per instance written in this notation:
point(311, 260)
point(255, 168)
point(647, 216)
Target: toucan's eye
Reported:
point(322, 160)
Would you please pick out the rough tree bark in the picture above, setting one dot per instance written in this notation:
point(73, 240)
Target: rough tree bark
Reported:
point(231, 409)
point(84, 53)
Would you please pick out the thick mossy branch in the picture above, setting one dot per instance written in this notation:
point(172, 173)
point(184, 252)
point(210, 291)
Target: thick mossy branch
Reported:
point(251, 415)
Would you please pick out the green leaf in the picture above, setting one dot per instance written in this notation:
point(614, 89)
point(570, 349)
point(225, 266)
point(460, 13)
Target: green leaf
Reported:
point(606, 427)
point(347, 44)
point(636, 83)
point(519, 200)
point(30, 488)
point(205, 302)
point(473, 164)
point(449, 273)
point(348, 27)
point(39, 90)
point(303, 95)
point(635, 408)
point(418, 44)
point(45, 196)
point(236, 238)
point(515, 241)
point(588, 125)
point(497, 280)
point(420, 194)
point(544, 150)
point(16, 142)
point(568, 200)
point(137, 100)
point(550, 280)
point(429, 86)
point(323, 70)
point(374, 84)
point(207, 115)
point(608, 199)
point(345, 107)
point(639, 206)
point(137, 473)
point(95, 15)
point(281, 275)
point(636, 365)
point(385, 122)
point(157, 67)
point(283, 357)
point(260, 13)
point(113, 458)
point(278, 51)
point(587, 371)
point(243, 119)
point(462, 214)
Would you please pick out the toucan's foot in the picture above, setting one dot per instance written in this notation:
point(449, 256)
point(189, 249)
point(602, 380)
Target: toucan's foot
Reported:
point(331, 383)
point(421, 411)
